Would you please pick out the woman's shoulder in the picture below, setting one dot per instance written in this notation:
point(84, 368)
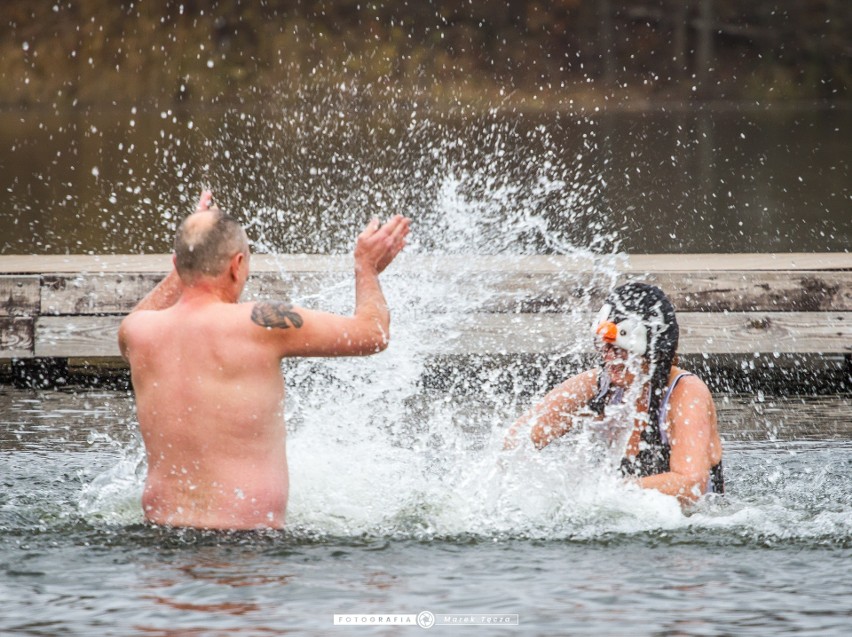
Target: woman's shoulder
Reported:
point(689, 383)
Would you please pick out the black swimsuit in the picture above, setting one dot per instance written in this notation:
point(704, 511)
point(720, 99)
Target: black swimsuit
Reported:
point(653, 457)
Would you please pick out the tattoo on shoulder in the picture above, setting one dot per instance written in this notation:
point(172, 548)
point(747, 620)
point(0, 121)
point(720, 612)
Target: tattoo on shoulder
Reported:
point(275, 314)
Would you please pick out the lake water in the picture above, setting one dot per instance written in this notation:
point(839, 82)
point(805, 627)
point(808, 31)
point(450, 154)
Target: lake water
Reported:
point(419, 518)
point(306, 172)
point(401, 501)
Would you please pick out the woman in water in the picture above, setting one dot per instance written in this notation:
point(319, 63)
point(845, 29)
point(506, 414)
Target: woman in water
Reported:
point(664, 416)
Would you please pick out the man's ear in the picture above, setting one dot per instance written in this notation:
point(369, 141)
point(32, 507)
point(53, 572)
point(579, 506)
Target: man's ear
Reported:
point(236, 264)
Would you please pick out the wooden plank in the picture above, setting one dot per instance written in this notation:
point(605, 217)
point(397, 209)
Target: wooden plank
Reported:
point(806, 291)
point(751, 291)
point(77, 263)
point(16, 337)
point(19, 295)
point(701, 333)
point(77, 336)
point(437, 292)
point(638, 263)
point(84, 294)
point(766, 332)
point(95, 293)
point(157, 263)
point(497, 291)
point(631, 264)
point(117, 293)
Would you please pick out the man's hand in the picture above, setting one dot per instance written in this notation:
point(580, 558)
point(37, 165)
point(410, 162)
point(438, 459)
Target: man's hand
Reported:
point(378, 245)
point(205, 202)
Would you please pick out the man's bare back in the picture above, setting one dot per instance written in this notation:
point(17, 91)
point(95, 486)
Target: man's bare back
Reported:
point(206, 371)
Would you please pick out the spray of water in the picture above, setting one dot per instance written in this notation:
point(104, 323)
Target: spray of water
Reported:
point(372, 452)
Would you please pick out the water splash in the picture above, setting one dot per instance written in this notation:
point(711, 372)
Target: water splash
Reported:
point(371, 452)
point(115, 495)
point(371, 459)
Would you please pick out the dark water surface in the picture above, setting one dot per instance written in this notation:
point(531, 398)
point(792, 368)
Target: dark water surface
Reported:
point(305, 175)
point(400, 499)
point(771, 559)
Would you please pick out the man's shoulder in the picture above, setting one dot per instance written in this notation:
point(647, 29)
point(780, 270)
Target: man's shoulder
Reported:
point(135, 329)
point(276, 314)
point(144, 316)
point(135, 320)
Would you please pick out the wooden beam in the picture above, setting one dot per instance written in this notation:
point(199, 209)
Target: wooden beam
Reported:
point(77, 336)
point(452, 264)
point(497, 291)
point(95, 293)
point(766, 332)
point(118, 293)
point(70, 306)
point(750, 291)
point(738, 262)
point(701, 333)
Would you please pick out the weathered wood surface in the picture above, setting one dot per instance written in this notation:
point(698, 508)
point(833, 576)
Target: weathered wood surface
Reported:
point(70, 306)
point(633, 264)
point(803, 291)
point(17, 337)
point(19, 295)
point(701, 333)
point(67, 337)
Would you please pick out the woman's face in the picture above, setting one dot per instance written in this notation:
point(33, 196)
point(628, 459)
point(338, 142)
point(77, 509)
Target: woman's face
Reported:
point(621, 366)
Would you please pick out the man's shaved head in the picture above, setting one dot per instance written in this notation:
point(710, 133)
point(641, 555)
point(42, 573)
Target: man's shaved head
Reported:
point(205, 242)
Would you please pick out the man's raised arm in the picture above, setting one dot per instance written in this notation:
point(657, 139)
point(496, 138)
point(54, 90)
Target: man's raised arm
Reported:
point(376, 247)
point(303, 332)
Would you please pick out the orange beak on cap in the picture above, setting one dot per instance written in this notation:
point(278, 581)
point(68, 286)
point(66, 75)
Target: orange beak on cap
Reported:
point(608, 331)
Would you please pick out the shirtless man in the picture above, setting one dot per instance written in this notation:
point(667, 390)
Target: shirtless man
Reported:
point(206, 371)
point(673, 444)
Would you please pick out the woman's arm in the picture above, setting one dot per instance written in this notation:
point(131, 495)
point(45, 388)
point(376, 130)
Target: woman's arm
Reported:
point(552, 417)
point(692, 431)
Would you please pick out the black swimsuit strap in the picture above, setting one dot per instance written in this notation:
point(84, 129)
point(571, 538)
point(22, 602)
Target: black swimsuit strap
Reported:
point(655, 456)
point(717, 479)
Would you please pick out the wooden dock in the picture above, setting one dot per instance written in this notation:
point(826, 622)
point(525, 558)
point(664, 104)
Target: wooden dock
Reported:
point(791, 306)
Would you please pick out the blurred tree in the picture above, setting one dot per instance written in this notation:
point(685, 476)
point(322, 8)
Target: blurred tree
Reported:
point(680, 16)
point(704, 57)
point(104, 50)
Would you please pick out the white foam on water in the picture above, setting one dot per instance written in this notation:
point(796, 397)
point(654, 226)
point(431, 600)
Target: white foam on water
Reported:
point(436, 484)
point(363, 474)
point(115, 495)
